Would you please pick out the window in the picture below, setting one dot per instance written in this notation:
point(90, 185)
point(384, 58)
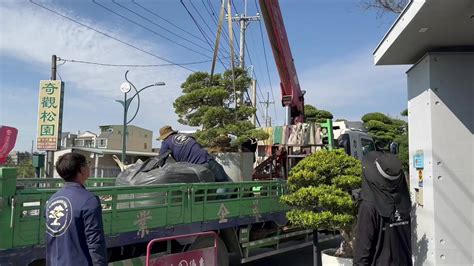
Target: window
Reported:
point(102, 143)
point(79, 142)
point(367, 145)
point(345, 143)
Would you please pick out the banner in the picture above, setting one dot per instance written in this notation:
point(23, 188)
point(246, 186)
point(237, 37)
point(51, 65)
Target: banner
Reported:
point(49, 115)
point(7, 141)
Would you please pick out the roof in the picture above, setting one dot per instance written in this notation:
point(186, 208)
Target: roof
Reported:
point(120, 126)
point(87, 134)
point(108, 151)
point(427, 26)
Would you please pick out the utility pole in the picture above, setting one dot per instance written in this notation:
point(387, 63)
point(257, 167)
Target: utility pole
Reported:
point(244, 21)
point(267, 105)
point(50, 154)
point(254, 101)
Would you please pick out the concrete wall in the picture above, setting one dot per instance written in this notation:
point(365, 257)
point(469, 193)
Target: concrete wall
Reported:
point(440, 105)
point(138, 139)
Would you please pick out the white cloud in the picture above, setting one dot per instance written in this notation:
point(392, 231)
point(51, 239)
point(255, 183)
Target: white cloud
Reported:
point(31, 35)
point(351, 86)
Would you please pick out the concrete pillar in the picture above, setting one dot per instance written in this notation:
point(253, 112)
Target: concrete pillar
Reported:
point(441, 119)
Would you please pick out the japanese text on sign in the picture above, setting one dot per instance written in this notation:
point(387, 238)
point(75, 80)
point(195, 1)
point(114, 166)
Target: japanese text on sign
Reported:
point(49, 114)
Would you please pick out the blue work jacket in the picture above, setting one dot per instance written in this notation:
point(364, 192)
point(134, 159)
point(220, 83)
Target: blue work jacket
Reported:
point(185, 148)
point(74, 229)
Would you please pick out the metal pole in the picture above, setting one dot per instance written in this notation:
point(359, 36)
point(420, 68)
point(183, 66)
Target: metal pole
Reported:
point(243, 20)
point(267, 105)
point(316, 250)
point(254, 100)
point(96, 164)
point(124, 133)
point(266, 110)
point(50, 154)
point(243, 25)
point(287, 115)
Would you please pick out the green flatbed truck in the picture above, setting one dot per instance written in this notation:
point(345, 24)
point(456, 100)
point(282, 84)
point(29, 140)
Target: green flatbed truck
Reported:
point(249, 218)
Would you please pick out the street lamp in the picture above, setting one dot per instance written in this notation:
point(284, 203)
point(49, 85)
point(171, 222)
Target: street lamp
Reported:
point(126, 88)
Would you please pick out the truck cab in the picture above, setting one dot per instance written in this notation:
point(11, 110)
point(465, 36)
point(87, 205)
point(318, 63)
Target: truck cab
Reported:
point(351, 136)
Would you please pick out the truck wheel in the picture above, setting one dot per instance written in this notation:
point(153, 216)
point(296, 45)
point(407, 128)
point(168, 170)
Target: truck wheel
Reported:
point(208, 241)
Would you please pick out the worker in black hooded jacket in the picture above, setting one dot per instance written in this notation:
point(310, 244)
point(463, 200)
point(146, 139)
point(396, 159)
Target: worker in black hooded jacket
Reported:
point(383, 228)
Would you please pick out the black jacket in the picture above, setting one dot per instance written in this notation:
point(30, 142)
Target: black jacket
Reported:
point(382, 240)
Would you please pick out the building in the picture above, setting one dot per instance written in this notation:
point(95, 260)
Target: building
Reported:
point(17, 157)
point(86, 139)
point(435, 37)
point(101, 148)
point(67, 139)
point(138, 139)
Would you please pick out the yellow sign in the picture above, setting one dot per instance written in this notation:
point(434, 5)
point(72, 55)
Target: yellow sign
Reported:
point(49, 114)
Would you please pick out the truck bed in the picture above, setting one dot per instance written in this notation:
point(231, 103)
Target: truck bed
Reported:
point(134, 214)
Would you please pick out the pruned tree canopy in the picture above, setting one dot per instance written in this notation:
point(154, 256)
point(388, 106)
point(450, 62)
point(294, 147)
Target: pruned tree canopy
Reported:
point(312, 114)
point(320, 194)
point(386, 129)
point(210, 104)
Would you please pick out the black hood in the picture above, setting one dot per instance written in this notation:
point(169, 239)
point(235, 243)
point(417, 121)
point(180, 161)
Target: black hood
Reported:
point(384, 184)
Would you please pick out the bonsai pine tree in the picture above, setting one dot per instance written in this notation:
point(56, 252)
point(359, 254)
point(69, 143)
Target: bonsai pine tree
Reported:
point(320, 194)
point(312, 114)
point(210, 104)
point(385, 129)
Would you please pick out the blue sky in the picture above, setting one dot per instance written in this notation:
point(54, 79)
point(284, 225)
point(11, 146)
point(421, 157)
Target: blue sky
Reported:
point(331, 41)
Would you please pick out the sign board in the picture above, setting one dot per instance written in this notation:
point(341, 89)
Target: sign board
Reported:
point(7, 141)
point(50, 112)
point(418, 160)
point(200, 257)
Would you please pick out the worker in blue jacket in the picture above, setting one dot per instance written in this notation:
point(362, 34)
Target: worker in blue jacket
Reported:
point(74, 229)
point(185, 148)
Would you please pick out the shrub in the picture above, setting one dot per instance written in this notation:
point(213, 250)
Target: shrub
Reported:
point(321, 194)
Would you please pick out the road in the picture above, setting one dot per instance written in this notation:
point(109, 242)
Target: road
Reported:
point(299, 257)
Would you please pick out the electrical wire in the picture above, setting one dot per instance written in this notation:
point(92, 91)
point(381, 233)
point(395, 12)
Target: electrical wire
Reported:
point(214, 17)
point(171, 23)
point(127, 65)
point(201, 30)
point(161, 27)
point(207, 25)
point(148, 29)
point(266, 60)
point(111, 37)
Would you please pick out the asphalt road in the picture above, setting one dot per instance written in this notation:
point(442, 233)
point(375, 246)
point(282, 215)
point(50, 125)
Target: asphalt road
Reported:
point(299, 257)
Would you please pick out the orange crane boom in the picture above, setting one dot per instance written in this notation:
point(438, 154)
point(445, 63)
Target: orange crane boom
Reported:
point(292, 97)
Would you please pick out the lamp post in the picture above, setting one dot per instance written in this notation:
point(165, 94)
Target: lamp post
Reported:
point(126, 88)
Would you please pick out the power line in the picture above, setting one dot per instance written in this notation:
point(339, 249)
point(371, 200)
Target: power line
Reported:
point(148, 29)
point(201, 30)
point(171, 23)
point(266, 61)
point(158, 25)
point(212, 13)
point(205, 23)
point(127, 65)
point(109, 36)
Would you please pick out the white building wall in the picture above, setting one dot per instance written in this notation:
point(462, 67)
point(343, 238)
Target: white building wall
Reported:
point(441, 95)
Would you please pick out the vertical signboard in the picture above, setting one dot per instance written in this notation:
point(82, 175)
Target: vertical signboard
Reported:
point(50, 112)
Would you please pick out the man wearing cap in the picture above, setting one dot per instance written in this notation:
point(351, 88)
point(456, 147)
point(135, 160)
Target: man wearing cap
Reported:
point(383, 228)
point(184, 148)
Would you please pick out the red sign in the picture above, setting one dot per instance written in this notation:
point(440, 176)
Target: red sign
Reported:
point(7, 141)
point(200, 257)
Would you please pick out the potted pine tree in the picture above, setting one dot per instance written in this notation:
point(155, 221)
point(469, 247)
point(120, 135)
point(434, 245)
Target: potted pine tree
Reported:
point(321, 188)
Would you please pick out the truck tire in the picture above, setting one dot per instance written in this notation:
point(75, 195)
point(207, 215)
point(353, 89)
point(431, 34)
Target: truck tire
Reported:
point(208, 241)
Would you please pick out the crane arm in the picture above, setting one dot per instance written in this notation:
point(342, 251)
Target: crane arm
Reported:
point(292, 97)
